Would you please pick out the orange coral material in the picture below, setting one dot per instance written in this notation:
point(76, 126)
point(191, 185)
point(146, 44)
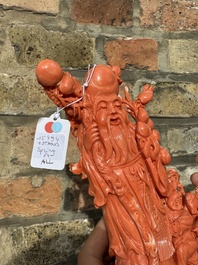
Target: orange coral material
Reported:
point(125, 165)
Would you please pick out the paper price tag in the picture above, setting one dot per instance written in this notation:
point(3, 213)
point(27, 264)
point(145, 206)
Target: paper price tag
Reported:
point(50, 143)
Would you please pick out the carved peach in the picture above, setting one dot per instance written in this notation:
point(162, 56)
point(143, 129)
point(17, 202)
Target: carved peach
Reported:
point(143, 115)
point(66, 85)
point(49, 73)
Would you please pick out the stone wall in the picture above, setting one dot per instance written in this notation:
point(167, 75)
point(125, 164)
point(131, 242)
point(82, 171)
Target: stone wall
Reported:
point(46, 215)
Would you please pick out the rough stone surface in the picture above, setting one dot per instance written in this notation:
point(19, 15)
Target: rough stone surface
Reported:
point(16, 145)
point(7, 57)
point(22, 95)
point(21, 146)
point(6, 253)
point(174, 100)
point(47, 243)
point(41, 6)
point(73, 154)
point(171, 15)
point(32, 44)
point(182, 55)
point(140, 53)
point(183, 141)
point(105, 12)
point(5, 147)
point(20, 197)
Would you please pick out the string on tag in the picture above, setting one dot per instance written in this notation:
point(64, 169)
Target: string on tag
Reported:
point(84, 86)
point(56, 114)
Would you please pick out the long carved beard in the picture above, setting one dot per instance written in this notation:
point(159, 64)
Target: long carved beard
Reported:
point(116, 141)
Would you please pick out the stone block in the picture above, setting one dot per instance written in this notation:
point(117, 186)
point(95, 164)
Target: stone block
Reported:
point(32, 44)
point(5, 147)
point(22, 95)
point(22, 138)
point(174, 100)
point(171, 15)
point(30, 196)
point(7, 58)
point(47, 243)
point(182, 141)
point(104, 12)
point(7, 252)
point(73, 153)
point(182, 55)
point(16, 144)
point(139, 53)
point(43, 6)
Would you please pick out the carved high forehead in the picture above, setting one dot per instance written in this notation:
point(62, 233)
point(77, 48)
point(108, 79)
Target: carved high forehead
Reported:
point(104, 81)
point(110, 98)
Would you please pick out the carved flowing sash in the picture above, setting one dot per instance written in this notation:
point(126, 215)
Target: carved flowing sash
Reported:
point(133, 212)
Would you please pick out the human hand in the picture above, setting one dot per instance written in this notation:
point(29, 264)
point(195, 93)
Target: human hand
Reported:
point(95, 249)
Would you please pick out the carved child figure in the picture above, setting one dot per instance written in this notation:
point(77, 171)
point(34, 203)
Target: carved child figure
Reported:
point(192, 198)
point(181, 222)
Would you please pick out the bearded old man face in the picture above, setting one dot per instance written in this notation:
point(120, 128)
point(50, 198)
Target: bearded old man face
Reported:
point(108, 110)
